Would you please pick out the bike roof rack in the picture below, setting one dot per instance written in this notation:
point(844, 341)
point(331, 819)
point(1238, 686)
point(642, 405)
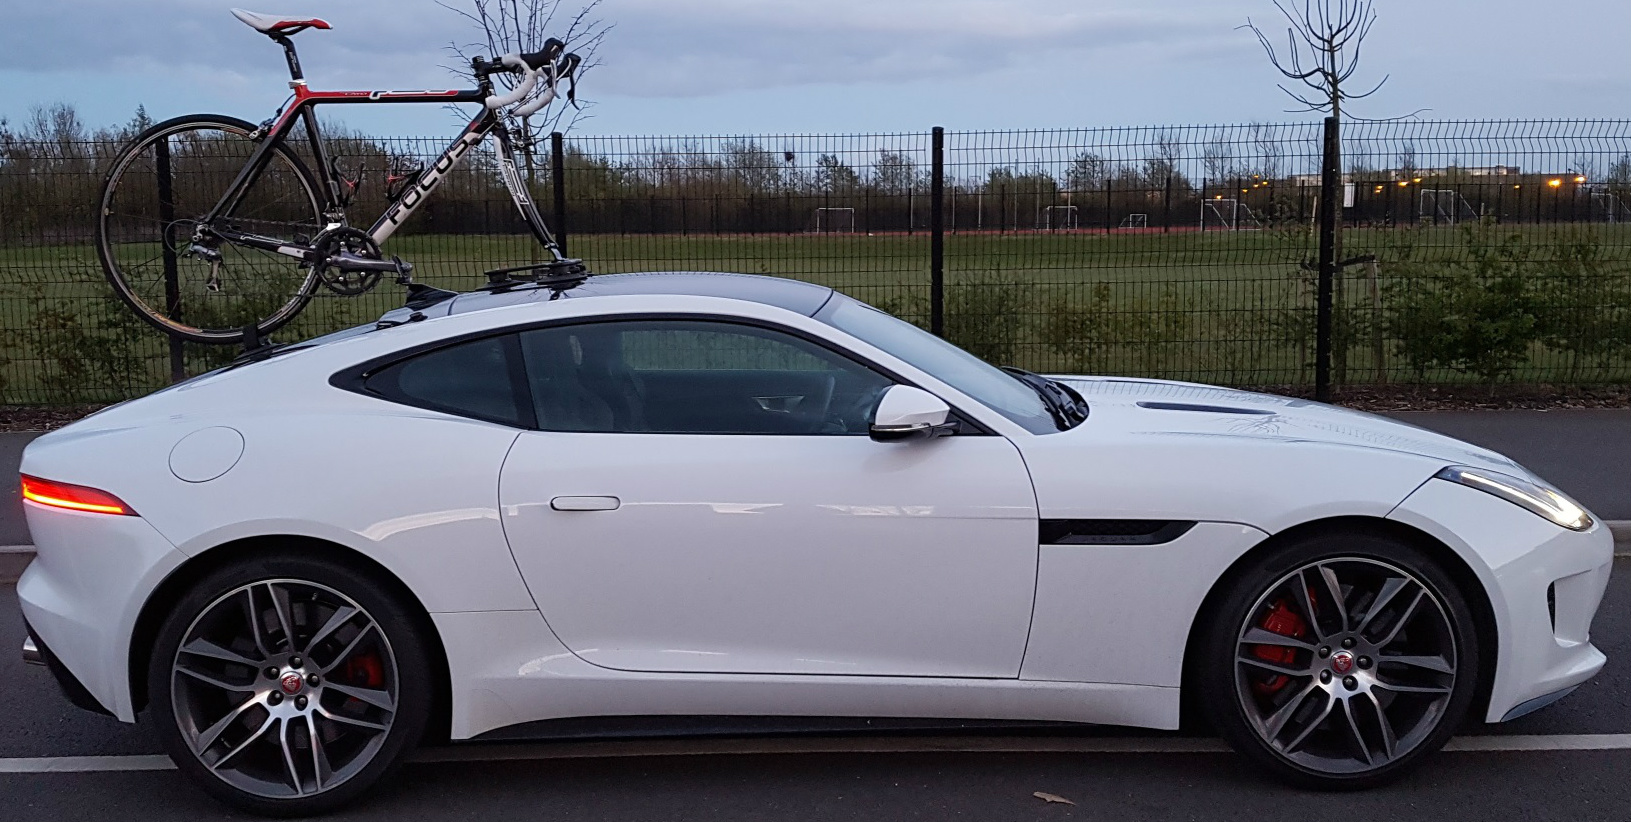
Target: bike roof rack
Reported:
point(556, 275)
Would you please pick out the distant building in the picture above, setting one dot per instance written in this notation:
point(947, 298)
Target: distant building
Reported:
point(1411, 174)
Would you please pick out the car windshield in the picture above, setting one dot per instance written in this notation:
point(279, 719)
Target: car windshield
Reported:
point(945, 362)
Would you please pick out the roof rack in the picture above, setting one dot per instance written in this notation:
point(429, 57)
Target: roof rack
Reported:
point(556, 275)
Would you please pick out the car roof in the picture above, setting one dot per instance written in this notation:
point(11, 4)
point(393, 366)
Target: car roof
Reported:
point(792, 295)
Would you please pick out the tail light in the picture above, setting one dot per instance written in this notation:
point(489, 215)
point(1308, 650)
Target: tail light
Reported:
point(73, 497)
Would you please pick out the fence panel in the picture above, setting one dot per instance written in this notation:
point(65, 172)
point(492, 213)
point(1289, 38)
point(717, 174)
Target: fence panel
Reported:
point(1481, 252)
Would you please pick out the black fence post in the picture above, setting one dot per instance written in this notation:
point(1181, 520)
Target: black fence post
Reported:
point(172, 280)
point(1330, 202)
point(937, 233)
point(557, 178)
point(1166, 207)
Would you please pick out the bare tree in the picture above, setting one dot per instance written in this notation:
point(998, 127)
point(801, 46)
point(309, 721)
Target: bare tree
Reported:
point(517, 26)
point(1323, 40)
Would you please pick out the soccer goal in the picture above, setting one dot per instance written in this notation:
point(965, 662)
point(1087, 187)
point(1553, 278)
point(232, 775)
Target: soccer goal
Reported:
point(1446, 206)
point(835, 221)
point(1608, 208)
point(1057, 217)
point(1135, 221)
point(1228, 214)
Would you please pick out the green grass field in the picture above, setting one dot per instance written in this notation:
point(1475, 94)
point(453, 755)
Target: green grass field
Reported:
point(1228, 307)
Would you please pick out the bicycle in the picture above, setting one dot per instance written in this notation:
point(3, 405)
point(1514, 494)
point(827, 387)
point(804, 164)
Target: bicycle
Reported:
point(228, 266)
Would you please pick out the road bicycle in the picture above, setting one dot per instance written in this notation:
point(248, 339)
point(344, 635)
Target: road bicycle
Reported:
point(215, 230)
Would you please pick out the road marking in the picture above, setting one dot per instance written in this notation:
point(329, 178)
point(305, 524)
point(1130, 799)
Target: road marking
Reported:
point(87, 764)
point(541, 751)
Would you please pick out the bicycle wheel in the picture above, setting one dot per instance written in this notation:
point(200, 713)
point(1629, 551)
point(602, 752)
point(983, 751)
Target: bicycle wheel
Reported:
point(155, 195)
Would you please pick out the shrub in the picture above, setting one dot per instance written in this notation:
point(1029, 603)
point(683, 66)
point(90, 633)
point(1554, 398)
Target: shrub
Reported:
point(1475, 312)
point(1584, 306)
point(988, 316)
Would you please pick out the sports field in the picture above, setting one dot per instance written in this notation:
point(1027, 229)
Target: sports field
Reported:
point(1220, 306)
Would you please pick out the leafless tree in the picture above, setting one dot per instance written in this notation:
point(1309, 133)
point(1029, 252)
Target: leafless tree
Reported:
point(516, 26)
point(1323, 40)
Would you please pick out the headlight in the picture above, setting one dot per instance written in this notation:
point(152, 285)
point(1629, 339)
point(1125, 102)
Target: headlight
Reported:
point(1545, 501)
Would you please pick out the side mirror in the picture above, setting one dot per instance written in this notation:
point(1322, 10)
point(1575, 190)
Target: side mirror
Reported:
point(907, 413)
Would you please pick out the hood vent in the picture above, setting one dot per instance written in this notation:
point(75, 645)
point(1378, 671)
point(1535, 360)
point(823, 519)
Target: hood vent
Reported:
point(1209, 409)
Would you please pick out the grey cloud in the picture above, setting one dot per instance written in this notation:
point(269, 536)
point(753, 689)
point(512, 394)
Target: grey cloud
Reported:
point(658, 48)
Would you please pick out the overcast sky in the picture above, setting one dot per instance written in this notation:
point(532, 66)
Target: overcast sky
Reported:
point(824, 66)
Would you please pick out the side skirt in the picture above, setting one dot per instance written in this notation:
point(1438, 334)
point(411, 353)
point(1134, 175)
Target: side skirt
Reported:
point(508, 670)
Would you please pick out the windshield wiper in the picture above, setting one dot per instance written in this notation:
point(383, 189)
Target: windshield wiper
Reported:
point(1067, 407)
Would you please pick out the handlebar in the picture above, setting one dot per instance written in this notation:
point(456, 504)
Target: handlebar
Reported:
point(513, 62)
point(552, 60)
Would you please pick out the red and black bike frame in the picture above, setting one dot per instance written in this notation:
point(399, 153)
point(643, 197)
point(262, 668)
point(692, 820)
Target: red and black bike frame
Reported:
point(302, 109)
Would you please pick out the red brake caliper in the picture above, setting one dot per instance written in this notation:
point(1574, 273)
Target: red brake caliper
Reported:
point(365, 670)
point(1285, 622)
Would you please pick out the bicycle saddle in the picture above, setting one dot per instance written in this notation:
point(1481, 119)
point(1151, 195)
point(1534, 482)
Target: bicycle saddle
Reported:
point(278, 23)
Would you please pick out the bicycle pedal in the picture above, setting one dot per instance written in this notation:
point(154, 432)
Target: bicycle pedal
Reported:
point(404, 270)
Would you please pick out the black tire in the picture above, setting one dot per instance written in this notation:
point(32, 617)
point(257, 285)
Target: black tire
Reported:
point(267, 289)
point(249, 781)
point(1418, 703)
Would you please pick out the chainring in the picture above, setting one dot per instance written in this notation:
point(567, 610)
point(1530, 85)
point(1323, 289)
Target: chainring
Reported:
point(346, 241)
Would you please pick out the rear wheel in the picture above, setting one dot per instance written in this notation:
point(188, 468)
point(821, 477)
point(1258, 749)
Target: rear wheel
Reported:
point(153, 201)
point(1340, 660)
point(288, 685)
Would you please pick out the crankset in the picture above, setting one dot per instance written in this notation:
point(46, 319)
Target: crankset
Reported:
point(349, 262)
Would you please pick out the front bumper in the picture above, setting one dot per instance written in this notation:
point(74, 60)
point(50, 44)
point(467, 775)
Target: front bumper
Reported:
point(81, 596)
point(1544, 584)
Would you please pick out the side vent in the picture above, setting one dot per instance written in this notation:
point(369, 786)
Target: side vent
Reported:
point(1112, 531)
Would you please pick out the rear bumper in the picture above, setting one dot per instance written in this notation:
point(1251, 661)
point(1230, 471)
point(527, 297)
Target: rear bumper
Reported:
point(36, 652)
point(81, 596)
point(1544, 584)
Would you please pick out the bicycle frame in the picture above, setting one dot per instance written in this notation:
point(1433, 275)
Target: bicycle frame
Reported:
point(302, 109)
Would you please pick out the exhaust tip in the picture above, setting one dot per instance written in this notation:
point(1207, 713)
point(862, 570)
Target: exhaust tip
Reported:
point(31, 652)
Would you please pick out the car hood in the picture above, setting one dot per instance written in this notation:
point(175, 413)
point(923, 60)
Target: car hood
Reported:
point(1166, 408)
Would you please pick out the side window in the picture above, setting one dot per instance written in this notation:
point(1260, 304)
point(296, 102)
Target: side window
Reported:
point(471, 379)
point(694, 377)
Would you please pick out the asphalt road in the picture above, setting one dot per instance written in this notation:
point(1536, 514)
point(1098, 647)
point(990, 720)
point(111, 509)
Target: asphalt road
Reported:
point(823, 786)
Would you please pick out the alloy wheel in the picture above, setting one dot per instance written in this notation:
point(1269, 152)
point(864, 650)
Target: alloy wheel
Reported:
point(1345, 665)
point(284, 688)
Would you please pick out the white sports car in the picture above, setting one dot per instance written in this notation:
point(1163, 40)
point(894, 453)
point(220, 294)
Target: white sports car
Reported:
point(672, 494)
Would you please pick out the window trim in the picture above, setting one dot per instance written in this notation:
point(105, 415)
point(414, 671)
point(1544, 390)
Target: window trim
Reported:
point(354, 378)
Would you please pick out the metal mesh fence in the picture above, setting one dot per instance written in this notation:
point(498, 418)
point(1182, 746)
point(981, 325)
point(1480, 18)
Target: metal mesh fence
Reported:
point(1479, 252)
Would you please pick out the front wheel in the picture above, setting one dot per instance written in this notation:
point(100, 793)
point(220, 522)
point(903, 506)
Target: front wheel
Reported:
point(287, 685)
point(168, 265)
point(1340, 660)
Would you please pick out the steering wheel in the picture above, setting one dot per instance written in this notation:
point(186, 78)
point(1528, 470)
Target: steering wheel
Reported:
point(811, 412)
point(855, 417)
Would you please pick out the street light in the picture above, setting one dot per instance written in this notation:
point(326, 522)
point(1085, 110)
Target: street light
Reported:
point(1580, 178)
point(1554, 182)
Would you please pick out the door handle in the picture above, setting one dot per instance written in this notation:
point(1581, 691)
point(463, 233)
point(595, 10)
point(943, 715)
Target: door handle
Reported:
point(585, 503)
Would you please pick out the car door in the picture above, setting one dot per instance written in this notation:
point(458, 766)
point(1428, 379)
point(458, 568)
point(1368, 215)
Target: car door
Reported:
point(702, 496)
